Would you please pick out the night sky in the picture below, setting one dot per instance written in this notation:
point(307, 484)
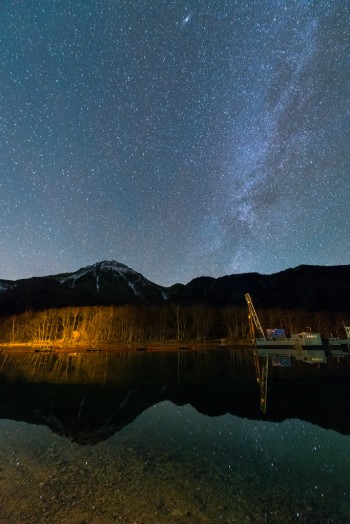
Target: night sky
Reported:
point(182, 138)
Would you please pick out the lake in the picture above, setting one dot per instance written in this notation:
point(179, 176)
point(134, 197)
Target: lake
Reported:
point(141, 437)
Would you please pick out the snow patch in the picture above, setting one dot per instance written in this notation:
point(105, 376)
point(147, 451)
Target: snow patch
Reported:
point(112, 265)
point(133, 287)
point(165, 295)
point(75, 276)
point(4, 287)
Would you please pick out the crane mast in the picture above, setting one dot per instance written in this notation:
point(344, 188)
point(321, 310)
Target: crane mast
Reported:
point(261, 366)
point(254, 322)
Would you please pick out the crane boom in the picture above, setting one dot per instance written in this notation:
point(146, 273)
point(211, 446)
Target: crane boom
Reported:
point(261, 363)
point(254, 321)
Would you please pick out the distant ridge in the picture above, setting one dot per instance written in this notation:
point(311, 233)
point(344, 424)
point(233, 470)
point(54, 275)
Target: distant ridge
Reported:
point(109, 282)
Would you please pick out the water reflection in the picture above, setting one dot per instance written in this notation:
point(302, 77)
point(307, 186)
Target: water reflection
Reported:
point(89, 396)
point(111, 367)
point(176, 465)
point(104, 438)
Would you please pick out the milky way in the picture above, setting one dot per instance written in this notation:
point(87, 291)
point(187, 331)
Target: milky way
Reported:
point(180, 138)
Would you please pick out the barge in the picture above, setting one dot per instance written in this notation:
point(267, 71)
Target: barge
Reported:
point(280, 349)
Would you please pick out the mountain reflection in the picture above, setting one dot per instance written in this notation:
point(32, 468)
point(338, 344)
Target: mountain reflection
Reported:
point(87, 397)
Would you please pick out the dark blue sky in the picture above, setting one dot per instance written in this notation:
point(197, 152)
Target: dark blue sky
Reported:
point(181, 138)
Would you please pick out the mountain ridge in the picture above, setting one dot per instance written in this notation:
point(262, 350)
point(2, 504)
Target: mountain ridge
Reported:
point(109, 282)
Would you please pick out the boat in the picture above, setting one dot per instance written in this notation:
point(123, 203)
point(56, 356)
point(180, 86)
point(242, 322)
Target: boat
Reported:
point(277, 347)
point(306, 346)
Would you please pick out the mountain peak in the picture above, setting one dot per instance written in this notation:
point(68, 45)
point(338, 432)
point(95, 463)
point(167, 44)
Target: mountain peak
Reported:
point(111, 279)
point(109, 265)
point(105, 267)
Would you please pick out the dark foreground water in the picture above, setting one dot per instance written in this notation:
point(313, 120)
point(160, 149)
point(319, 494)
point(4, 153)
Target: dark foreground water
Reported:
point(146, 438)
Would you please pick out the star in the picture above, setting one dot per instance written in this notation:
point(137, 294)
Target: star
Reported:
point(220, 149)
point(186, 20)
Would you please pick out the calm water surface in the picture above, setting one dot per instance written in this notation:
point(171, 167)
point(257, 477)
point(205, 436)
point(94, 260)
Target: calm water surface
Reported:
point(97, 440)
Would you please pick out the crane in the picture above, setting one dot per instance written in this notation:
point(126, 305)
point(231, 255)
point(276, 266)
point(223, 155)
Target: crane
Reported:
point(254, 322)
point(261, 368)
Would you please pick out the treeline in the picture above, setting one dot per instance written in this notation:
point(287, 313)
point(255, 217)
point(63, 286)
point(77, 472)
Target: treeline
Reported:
point(130, 323)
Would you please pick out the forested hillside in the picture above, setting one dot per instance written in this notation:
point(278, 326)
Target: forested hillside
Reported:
point(131, 323)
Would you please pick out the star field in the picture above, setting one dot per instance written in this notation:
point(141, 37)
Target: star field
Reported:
point(182, 138)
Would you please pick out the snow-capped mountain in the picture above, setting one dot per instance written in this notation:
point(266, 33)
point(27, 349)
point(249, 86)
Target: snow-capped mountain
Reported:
point(112, 278)
point(107, 267)
point(103, 283)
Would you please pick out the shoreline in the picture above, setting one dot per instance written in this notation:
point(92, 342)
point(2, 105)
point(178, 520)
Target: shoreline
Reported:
point(120, 347)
